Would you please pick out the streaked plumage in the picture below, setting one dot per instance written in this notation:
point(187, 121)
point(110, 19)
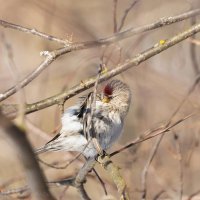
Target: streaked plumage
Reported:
point(108, 121)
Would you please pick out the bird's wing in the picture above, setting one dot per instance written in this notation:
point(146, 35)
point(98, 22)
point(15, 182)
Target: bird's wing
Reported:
point(71, 122)
point(54, 138)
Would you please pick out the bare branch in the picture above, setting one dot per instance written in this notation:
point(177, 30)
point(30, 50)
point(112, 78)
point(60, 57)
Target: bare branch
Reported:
point(62, 195)
point(192, 196)
point(180, 159)
point(83, 193)
point(61, 167)
point(35, 176)
point(156, 49)
point(49, 59)
point(77, 182)
point(113, 171)
point(14, 191)
point(33, 31)
point(124, 34)
point(148, 163)
point(115, 16)
point(193, 53)
point(126, 14)
point(153, 133)
point(16, 77)
point(101, 181)
point(51, 56)
point(157, 196)
point(80, 178)
point(191, 89)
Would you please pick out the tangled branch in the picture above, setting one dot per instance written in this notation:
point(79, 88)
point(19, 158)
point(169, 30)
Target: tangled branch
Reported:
point(53, 55)
point(11, 110)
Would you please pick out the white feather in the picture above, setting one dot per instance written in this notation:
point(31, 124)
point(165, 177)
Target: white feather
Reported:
point(70, 121)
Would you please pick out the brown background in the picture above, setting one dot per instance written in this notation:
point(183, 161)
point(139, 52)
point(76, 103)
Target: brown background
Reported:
point(158, 86)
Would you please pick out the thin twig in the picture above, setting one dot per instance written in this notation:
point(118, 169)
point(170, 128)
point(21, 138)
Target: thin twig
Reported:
point(147, 165)
point(81, 176)
point(189, 92)
point(135, 61)
point(115, 16)
point(157, 196)
point(101, 181)
point(159, 139)
point(179, 156)
point(88, 127)
point(61, 167)
point(153, 133)
point(51, 56)
point(83, 173)
point(122, 35)
point(126, 12)
point(16, 77)
point(193, 50)
point(35, 73)
point(193, 195)
point(14, 191)
point(62, 195)
point(33, 31)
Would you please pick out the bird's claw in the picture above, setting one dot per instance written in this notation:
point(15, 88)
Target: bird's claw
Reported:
point(102, 158)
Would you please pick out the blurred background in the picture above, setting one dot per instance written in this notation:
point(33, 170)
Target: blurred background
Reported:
point(158, 86)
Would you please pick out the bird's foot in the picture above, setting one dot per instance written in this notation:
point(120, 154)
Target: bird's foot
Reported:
point(103, 158)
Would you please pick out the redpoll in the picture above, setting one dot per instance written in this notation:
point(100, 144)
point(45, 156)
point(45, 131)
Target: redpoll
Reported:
point(110, 110)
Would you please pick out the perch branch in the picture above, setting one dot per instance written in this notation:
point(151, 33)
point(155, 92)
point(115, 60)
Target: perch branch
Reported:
point(113, 171)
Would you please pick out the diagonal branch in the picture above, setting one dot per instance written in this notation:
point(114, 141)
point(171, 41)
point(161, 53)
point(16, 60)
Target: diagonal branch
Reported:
point(147, 165)
point(126, 12)
point(156, 132)
point(51, 56)
point(114, 173)
point(135, 61)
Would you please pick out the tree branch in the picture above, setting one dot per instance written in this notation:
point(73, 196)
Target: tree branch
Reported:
point(156, 49)
point(51, 56)
point(147, 165)
point(34, 32)
point(153, 133)
point(114, 173)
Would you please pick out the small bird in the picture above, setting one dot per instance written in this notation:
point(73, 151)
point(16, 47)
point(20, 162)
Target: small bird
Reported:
point(111, 108)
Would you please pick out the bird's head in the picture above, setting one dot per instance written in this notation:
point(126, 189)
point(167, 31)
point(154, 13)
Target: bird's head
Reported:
point(117, 94)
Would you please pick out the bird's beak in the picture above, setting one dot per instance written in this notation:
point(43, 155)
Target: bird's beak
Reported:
point(106, 99)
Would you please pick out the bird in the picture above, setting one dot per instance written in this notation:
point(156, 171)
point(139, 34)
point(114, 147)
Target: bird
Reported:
point(111, 108)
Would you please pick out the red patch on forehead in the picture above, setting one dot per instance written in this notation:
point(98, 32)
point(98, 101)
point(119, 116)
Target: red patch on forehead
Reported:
point(108, 90)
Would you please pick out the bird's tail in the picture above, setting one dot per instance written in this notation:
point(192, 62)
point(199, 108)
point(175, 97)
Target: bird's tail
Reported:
point(40, 150)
